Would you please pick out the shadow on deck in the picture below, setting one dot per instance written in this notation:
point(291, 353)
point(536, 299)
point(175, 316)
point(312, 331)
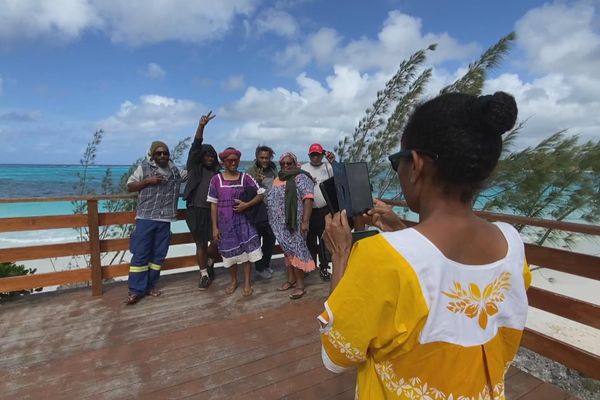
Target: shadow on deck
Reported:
point(185, 344)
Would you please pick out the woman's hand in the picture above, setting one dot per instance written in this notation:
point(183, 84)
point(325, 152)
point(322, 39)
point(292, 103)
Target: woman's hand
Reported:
point(240, 206)
point(304, 227)
point(383, 217)
point(338, 235)
point(216, 234)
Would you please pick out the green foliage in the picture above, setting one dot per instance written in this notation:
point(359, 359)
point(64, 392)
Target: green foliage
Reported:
point(377, 131)
point(472, 81)
point(8, 269)
point(558, 179)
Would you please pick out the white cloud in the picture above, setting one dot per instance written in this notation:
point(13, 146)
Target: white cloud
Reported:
point(139, 22)
point(154, 71)
point(292, 120)
point(233, 83)
point(400, 36)
point(133, 22)
point(40, 18)
point(153, 114)
point(561, 37)
point(277, 22)
point(561, 46)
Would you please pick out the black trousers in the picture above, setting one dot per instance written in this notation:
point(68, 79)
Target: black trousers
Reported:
point(314, 239)
point(268, 243)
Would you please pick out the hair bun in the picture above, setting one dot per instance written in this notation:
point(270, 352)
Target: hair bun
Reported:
point(498, 111)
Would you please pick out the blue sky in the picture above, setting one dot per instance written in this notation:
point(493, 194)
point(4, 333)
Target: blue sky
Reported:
point(286, 73)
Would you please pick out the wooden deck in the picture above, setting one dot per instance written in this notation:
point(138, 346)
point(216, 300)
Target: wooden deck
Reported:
point(185, 344)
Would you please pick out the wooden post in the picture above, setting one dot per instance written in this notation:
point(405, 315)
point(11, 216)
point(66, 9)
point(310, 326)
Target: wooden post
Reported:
point(94, 236)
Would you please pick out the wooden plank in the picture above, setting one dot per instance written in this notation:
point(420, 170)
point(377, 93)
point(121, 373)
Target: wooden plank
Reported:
point(565, 261)
point(15, 283)
point(94, 241)
point(519, 385)
point(66, 198)
point(587, 229)
point(545, 391)
point(114, 271)
point(564, 353)
point(42, 222)
point(45, 251)
point(116, 218)
point(568, 307)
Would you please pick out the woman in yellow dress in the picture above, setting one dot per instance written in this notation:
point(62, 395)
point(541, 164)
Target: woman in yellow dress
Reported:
point(435, 311)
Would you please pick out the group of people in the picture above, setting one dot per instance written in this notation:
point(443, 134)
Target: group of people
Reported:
point(239, 215)
point(432, 311)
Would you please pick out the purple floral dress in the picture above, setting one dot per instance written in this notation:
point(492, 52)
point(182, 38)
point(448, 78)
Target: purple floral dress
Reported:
point(239, 241)
point(293, 243)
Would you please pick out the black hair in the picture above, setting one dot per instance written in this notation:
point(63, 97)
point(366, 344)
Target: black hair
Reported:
point(262, 147)
point(465, 131)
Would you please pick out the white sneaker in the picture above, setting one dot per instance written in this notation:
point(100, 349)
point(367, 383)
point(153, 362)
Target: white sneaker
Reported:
point(264, 274)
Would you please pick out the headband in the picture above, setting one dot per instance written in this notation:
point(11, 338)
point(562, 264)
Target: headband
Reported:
point(228, 152)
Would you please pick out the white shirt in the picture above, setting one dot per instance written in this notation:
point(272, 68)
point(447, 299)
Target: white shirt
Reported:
point(319, 174)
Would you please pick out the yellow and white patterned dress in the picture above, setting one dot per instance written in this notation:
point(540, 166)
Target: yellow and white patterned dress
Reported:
point(420, 326)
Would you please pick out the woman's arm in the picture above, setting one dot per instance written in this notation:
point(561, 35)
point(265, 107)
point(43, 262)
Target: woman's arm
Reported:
point(214, 207)
point(338, 238)
point(307, 204)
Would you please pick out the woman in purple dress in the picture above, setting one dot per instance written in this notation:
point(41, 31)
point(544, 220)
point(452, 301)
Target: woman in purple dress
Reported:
point(236, 237)
point(289, 203)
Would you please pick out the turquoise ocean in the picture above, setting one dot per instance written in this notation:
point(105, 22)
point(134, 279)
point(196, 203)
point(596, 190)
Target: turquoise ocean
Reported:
point(24, 181)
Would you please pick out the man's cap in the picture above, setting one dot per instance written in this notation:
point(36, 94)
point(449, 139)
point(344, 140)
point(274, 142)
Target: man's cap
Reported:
point(315, 148)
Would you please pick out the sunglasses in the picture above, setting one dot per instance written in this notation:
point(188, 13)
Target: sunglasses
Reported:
point(396, 157)
point(161, 153)
point(286, 163)
point(315, 154)
point(231, 161)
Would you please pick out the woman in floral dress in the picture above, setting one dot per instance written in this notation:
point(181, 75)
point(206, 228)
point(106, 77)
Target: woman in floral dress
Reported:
point(236, 237)
point(289, 203)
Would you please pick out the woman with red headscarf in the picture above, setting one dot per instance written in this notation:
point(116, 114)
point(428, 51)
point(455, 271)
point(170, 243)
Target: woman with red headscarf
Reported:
point(236, 237)
point(289, 203)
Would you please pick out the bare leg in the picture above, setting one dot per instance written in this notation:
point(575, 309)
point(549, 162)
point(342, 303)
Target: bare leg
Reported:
point(299, 289)
point(234, 282)
point(291, 279)
point(247, 277)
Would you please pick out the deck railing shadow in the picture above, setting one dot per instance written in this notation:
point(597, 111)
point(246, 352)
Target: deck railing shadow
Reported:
point(583, 265)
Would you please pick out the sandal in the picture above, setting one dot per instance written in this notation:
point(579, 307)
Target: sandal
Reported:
point(155, 292)
point(231, 288)
point(298, 295)
point(248, 292)
point(132, 298)
point(287, 286)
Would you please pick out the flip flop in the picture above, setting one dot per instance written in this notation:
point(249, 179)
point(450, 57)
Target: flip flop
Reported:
point(296, 296)
point(155, 293)
point(248, 292)
point(287, 286)
point(132, 298)
point(230, 289)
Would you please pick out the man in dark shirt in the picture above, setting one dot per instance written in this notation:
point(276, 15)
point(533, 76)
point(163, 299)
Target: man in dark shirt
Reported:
point(201, 166)
point(264, 171)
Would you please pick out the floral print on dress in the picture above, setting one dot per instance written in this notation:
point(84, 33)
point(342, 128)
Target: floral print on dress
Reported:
point(473, 302)
point(415, 388)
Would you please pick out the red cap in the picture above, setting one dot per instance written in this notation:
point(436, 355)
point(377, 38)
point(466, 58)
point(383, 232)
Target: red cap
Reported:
point(315, 148)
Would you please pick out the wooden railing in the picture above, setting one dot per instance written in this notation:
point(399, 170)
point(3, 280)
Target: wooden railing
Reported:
point(560, 260)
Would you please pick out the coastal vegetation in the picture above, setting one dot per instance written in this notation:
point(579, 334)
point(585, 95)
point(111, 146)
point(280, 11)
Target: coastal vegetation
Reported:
point(557, 179)
point(8, 269)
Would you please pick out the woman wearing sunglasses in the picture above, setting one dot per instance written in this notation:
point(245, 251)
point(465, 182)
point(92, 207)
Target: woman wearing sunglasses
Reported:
point(289, 203)
point(436, 310)
point(237, 239)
